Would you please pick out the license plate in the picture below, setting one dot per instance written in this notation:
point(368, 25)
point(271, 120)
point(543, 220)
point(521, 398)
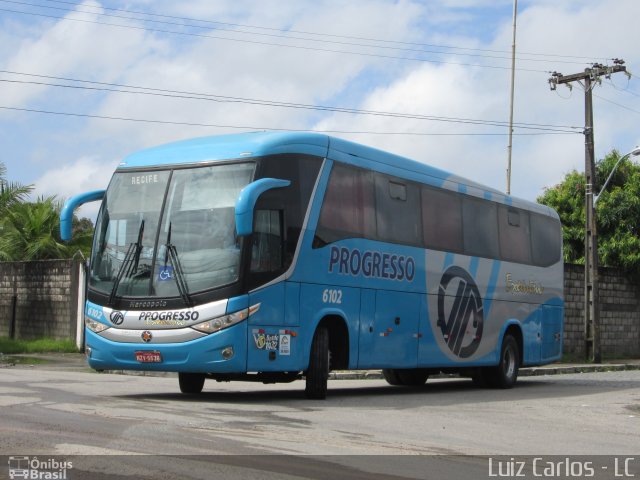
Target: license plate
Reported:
point(148, 356)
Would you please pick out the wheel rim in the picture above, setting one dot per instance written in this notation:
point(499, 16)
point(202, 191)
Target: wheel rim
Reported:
point(509, 363)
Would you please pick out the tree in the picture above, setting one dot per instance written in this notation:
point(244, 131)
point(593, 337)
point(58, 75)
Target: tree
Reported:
point(617, 213)
point(32, 232)
point(11, 193)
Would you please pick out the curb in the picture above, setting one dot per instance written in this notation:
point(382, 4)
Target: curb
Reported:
point(524, 372)
point(610, 367)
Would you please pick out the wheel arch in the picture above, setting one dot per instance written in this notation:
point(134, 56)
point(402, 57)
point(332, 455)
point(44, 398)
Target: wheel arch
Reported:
point(514, 328)
point(336, 325)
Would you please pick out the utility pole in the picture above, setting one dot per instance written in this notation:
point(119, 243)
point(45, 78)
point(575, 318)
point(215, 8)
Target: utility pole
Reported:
point(590, 76)
point(513, 74)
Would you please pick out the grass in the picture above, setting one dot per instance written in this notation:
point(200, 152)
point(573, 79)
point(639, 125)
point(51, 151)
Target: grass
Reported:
point(40, 345)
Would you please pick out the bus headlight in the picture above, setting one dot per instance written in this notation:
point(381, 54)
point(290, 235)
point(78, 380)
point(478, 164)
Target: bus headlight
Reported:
point(94, 326)
point(225, 321)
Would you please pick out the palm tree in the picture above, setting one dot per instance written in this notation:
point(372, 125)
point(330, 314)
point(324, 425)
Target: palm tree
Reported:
point(11, 193)
point(32, 233)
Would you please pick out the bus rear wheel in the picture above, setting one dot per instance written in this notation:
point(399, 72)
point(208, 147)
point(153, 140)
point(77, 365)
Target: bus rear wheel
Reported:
point(318, 372)
point(191, 382)
point(506, 373)
point(405, 377)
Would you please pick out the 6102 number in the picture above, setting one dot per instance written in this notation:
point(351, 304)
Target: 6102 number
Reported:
point(332, 296)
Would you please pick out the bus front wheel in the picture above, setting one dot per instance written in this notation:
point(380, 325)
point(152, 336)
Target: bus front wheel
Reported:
point(191, 382)
point(318, 372)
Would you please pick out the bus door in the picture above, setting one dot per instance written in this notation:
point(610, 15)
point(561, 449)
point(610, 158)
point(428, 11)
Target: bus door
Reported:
point(389, 329)
point(270, 334)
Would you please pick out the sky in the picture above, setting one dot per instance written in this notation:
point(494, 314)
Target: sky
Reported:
point(83, 84)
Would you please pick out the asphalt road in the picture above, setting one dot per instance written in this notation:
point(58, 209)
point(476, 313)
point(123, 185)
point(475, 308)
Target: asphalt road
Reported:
point(365, 428)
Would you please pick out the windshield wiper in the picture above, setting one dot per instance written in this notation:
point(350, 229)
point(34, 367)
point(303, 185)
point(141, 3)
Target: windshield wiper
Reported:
point(129, 264)
point(171, 253)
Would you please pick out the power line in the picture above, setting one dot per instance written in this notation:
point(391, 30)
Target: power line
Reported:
point(287, 36)
point(255, 42)
point(104, 86)
point(245, 127)
point(350, 37)
point(617, 104)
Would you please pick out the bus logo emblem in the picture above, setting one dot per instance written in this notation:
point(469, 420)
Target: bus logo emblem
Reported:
point(146, 336)
point(461, 320)
point(116, 317)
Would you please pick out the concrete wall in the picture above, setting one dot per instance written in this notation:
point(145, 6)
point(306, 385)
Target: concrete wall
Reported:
point(619, 312)
point(39, 299)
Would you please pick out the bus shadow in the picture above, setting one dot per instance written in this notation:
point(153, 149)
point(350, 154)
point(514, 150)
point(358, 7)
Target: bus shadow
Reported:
point(455, 391)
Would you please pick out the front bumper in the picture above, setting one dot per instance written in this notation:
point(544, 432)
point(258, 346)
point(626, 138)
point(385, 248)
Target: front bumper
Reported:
point(202, 355)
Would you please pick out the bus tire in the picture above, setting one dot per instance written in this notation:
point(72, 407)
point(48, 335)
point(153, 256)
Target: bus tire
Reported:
point(405, 377)
point(506, 373)
point(318, 372)
point(191, 382)
point(391, 376)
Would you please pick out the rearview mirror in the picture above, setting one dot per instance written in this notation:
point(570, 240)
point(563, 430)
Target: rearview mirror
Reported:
point(247, 201)
point(66, 214)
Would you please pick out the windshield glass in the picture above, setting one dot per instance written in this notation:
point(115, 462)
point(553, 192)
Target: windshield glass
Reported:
point(141, 250)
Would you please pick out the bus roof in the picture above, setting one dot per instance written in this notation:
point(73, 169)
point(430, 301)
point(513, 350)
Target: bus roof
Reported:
point(259, 144)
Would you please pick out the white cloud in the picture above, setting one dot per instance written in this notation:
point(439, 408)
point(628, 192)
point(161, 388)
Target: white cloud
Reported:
point(83, 175)
point(255, 70)
point(74, 47)
point(483, 93)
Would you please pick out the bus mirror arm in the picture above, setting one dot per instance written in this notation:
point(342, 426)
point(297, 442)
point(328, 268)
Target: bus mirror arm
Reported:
point(247, 201)
point(66, 214)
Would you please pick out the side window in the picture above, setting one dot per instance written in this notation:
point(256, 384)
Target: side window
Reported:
point(293, 201)
point(545, 240)
point(398, 211)
point(266, 247)
point(348, 210)
point(441, 219)
point(515, 235)
point(480, 228)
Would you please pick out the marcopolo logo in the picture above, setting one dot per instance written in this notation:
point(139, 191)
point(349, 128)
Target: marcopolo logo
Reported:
point(116, 317)
point(460, 315)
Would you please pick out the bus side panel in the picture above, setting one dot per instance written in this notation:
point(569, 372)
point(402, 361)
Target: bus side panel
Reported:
point(392, 340)
point(367, 319)
point(273, 343)
point(465, 316)
point(552, 333)
point(531, 336)
point(271, 300)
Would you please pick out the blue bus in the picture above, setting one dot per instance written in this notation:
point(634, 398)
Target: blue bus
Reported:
point(277, 256)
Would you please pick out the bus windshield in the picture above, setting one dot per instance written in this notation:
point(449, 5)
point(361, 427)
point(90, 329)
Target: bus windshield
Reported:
point(166, 233)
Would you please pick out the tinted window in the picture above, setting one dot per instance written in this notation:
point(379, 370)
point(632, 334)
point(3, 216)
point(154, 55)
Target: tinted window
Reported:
point(545, 240)
point(480, 228)
point(302, 171)
point(398, 211)
point(280, 214)
point(515, 238)
point(441, 219)
point(266, 242)
point(348, 210)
